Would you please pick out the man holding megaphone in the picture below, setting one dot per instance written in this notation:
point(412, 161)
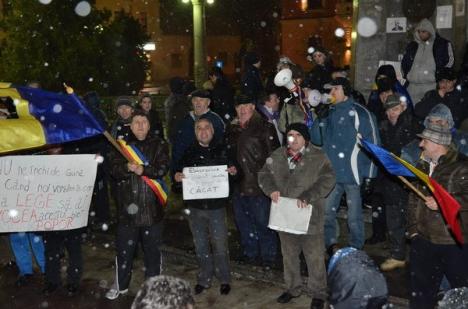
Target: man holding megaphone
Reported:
point(299, 106)
point(336, 129)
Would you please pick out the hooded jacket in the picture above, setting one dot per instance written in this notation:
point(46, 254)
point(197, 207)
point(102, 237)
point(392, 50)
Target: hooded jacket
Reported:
point(442, 49)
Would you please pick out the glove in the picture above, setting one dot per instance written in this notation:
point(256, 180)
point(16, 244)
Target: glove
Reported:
point(322, 110)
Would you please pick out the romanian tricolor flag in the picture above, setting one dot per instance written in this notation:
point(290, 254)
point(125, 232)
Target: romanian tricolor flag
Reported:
point(157, 185)
point(395, 165)
point(44, 118)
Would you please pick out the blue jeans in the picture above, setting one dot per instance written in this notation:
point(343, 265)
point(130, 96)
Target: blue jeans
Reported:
point(355, 218)
point(210, 236)
point(252, 214)
point(21, 245)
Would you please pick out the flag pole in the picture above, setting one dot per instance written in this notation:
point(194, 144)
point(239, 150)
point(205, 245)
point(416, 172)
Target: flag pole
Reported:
point(109, 137)
point(412, 187)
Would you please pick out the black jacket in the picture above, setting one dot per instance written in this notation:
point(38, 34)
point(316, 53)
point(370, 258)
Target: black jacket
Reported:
point(137, 203)
point(222, 100)
point(318, 77)
point(197, 155)
point(249, 147)
point(251, 83)
point(456, 101)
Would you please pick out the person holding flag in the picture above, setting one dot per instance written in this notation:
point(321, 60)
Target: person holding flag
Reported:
point(141, 198)
point(437, 250)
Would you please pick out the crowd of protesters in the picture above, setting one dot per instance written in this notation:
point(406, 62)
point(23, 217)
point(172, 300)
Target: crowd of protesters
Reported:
point(303, 143)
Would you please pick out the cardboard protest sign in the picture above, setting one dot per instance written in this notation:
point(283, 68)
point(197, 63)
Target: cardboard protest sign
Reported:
point(45, 193)
point(205, 182)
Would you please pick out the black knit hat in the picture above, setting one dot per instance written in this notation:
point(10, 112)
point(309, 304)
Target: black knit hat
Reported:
point(301, 128)
point(243, 99)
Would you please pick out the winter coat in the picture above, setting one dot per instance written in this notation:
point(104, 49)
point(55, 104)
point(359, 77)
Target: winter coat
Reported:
point(311, 180)
point(137, 203)
point(197, 155)
point(251, 83)
point(394, 138)
point(442, 50)
point(177, 107)
point(355, 282)
point(222, 100)
point(290, 113)
point(456, 101)
point(338, 135)
point(185, 135)
point(451, 173)
point(248, 148)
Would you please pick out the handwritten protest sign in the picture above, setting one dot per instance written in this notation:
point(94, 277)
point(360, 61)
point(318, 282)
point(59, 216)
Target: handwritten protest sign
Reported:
point(205, 182)
point(45, 193)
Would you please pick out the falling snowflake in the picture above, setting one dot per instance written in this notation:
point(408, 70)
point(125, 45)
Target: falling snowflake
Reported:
point(366, 27)
point(57, 108)
point(83, 8)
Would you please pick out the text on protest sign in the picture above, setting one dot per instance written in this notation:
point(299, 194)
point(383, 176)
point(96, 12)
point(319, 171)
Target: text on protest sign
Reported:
point(45, 193)
point(205, 182)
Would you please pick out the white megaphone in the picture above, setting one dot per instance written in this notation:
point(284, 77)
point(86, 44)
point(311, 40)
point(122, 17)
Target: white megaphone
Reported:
point(284, 79)
point(314, 97)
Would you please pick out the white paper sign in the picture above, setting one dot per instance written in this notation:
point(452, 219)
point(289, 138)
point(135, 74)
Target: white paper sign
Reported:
point(205, 182)
point(285, 216)
point(444, 17)
point(45, 193)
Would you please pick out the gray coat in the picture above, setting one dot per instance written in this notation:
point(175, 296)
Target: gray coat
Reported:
point(311, 180)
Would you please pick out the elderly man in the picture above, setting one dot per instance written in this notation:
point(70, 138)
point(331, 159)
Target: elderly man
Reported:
point(207, 217)
point(250, 140)
point(140, 212)
point(185, 135)
point(338, 131)
point(301, 171)
point(434, 252)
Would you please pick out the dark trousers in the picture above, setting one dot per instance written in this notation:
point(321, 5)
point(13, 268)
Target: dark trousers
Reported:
point(127, 239)
point(429, 263)
point(379, 222)
point(252, 214)
point(396, 204)
point(210, 236)
point(54, 243)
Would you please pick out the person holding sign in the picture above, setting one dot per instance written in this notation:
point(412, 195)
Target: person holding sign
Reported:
point(301, 171)
point(140, 209)
point(207, 216)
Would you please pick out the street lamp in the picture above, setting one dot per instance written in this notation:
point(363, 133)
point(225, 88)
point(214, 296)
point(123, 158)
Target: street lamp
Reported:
point(199, 51)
